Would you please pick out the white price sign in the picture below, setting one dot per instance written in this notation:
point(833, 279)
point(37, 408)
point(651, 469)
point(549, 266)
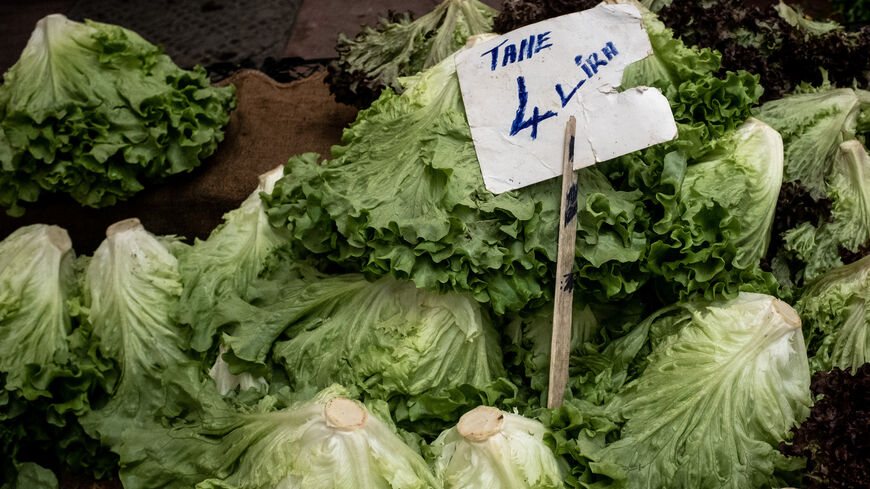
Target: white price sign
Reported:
point(519, 90)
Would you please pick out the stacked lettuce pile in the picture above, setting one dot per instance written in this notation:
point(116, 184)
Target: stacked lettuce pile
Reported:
point(404, 196)
point(390, 270)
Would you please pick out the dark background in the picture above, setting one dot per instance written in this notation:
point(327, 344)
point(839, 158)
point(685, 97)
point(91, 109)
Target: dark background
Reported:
point(209, 31)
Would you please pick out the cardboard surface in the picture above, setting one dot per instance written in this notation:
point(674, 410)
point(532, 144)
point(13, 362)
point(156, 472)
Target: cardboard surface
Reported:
point(273, 122)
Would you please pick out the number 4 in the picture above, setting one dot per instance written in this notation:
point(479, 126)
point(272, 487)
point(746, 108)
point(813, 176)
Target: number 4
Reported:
point(519, 123)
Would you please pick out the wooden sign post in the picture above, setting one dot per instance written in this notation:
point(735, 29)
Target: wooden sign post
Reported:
point(560, 344)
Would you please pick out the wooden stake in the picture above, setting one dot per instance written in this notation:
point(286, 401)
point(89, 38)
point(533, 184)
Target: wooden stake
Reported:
point(560, 344)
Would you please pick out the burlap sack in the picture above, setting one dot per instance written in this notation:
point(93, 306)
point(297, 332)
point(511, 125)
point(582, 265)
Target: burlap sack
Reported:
point(272, 122)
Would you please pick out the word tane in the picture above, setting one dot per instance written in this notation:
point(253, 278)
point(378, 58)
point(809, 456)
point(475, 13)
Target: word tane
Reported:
point(512, 54)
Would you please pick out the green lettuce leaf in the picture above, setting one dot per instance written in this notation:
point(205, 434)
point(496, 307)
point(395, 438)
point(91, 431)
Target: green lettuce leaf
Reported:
point(37, 278)
point(813, 125)
point(742, 173)
point(327, 442)
point(32, 476)
point(95, 111)
point(399, 46)
point(131, 291)
point(813, 248)
point(47, 373)
point(796, 18)
point(724, 384)
point(849, 187)
point(286, 295)
point(576, 430)
point(394, 339)
point(430, 356)
point(492, 448)
point(404, 196)
point(834, 308)
point(226, 263)
point(704, 106)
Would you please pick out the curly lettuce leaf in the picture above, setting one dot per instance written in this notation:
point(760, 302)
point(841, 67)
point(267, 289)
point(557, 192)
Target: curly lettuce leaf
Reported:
point(95, 111)
point(742, 173)
point(378, 57)
point(834, 308)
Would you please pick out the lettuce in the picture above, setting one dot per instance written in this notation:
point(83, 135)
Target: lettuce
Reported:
point(495, 449)
point(822, 129)
point(834, 309)
point(95, 111)
point(327, 442)
point(722, 387)
point(48, 375)
point(822, 245)
point(130, 293)
point(404, 196)
point(399, 46)
point(429, 355)
point(393, 339)
point(813, 125)
point(36, 279)
point(226, 263)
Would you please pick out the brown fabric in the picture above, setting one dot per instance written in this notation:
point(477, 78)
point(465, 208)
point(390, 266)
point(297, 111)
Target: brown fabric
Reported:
point(273, 122)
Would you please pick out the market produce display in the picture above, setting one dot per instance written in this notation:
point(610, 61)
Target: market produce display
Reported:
point(404, 196)
point(94, 111)
point(400, 46)
point(378, 319)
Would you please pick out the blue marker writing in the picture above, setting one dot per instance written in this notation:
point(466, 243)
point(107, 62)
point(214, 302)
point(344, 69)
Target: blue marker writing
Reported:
point(511, 53)
point(590, 66)
point(519, 123)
